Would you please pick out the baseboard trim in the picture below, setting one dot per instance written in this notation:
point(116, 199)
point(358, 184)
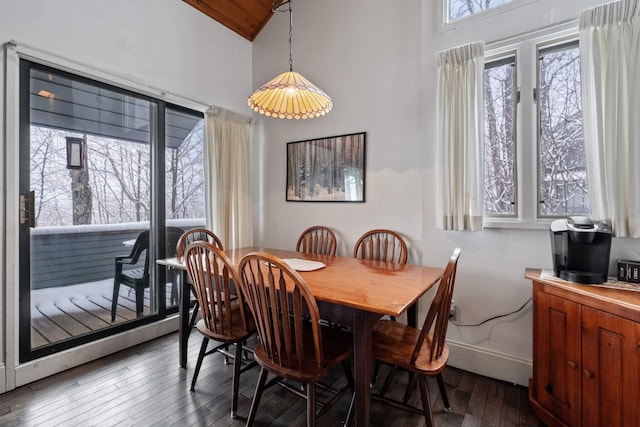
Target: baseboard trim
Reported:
point(490, 363)
point(3, 378)
point(58, 362)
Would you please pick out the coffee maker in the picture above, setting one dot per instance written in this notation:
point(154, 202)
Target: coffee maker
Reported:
point(581, 249)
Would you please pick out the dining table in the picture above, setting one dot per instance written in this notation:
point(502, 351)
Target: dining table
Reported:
point(351, 292)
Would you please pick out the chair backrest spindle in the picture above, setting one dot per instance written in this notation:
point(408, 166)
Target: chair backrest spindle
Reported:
point(196, 235)
point(317, 240)
point(381, 245)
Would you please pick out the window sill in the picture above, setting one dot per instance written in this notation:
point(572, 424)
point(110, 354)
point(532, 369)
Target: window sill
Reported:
point(516, 224)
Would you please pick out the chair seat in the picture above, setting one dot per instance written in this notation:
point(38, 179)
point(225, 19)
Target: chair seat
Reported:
point(394, 342)
point(133, 275)
point(237, 332)
point(337, 347)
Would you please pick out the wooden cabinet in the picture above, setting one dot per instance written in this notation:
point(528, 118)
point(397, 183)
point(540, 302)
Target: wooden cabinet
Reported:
point(586, 354)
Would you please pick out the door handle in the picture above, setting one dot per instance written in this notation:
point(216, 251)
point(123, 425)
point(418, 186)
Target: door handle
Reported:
point(27, 209)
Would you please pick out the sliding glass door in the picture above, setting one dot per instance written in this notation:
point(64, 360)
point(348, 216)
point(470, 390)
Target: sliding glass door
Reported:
point(106, 186)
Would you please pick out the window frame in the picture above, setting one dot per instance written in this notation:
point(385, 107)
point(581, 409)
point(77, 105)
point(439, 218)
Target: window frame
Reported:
point(541, 49)
point(506, 58)
point(526, 157)
point(443, 14)
point(157, 221)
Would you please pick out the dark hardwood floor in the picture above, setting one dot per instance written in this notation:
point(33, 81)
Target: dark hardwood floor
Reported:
point(143, 386)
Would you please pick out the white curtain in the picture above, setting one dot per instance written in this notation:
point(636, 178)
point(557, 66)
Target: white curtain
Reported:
point(610, 72)
point(460, 134)
point(228, 177)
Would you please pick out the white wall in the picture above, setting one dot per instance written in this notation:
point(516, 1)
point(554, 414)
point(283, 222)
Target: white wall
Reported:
point(165, 44)
point(162, 44)
point(376, 59)
point(366, 56)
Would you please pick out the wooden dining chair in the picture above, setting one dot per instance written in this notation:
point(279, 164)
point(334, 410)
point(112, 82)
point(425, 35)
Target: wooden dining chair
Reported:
point(385, 246)
point(190, 236)
point(293, 344)
point(317, 240)
point(422, 352)
point(224, 315)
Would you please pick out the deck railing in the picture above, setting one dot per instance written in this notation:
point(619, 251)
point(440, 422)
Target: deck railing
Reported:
point(62, 256)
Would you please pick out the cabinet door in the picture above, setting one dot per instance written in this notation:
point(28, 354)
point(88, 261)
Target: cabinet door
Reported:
point(556, 356)
point(611, 370)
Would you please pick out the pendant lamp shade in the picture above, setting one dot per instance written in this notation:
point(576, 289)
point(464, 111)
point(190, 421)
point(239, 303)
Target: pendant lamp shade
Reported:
point(290, 96)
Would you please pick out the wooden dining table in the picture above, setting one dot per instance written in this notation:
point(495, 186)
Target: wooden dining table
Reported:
point(351, 292)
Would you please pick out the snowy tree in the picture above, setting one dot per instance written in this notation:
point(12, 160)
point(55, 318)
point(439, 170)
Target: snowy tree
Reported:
point(461, 8)
point(500, 102)
point(561, 159)
point(563, 183)
point(119, 177)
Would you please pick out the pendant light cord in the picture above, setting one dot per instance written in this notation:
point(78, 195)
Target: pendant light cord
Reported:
point(290, 36)
point(276, 8)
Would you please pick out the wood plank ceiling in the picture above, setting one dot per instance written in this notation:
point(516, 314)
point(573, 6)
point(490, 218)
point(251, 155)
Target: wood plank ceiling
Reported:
point(245, 17)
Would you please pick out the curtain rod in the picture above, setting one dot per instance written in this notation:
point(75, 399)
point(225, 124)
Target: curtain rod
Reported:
point(41, 55)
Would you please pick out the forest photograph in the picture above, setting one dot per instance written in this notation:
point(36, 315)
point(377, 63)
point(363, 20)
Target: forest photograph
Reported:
point(326, 169)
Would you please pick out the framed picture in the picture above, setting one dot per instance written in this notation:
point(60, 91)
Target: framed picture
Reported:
point(326, 169)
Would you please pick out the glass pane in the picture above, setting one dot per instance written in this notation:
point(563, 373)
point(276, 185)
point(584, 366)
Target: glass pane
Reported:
point(461, 8)
point(87, 214)
point(562, 174)
point(184, 178)
point(499, 142)
point(185, 169)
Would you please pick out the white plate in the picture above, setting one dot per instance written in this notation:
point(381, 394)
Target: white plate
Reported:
point(304, 264)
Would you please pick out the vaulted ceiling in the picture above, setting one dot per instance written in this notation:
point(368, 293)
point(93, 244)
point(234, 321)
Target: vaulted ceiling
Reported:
point(245, 17)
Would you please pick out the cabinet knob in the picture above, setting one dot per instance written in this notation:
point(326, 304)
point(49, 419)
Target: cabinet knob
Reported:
point(587, 373)
point(549, 389)
point(572, 364)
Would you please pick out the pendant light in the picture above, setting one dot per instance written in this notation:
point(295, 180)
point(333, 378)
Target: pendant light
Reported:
point(290, 95)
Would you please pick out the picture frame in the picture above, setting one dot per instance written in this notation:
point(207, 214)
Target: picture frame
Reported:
point(330, 169)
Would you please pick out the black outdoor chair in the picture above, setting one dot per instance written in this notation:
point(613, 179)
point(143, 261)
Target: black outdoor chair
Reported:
point(138, 278)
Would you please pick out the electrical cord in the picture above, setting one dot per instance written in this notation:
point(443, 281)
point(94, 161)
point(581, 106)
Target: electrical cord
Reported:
point(494, 317)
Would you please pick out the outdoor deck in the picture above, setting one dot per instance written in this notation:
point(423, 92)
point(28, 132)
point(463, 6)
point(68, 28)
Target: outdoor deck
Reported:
point(68, 311)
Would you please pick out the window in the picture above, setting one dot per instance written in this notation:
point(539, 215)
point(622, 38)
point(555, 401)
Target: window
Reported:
point(562, 170)
point(458, 9)
point(184, 167)
point(115, 185)
point(499, 149)
point(534, 164)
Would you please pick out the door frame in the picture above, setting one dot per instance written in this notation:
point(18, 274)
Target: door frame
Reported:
point(156, 227)
point(13, 373)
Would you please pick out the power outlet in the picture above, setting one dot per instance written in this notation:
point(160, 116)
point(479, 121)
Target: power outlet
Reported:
point(453, 313)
